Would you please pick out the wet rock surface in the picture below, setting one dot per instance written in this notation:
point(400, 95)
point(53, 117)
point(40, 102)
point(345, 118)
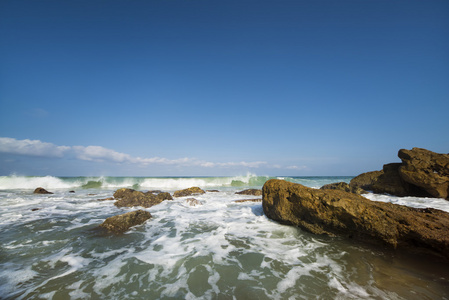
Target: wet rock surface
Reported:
point(335, 212)
point(122, 223)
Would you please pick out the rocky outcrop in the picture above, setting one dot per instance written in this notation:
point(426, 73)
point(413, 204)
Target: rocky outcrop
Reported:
point(422, 173)
point(131, 198)
point(122, 223)
point(427, 170)
point(335, 212)
point(40, 190)
point(253, 192)
point(343, 186)
point(188, 192)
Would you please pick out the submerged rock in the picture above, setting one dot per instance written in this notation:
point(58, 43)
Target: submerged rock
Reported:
point(122, 223)
point(335, 212)
point(188, 192)
point(343, 186)
point(253, 192)
point(130, 198)
point(40, 190)
point(193, 202)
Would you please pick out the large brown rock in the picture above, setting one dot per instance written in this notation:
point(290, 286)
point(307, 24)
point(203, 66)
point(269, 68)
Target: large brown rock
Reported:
point(130, 198)
point(335, 212)
point(121, 223)
point(427, 170)
point(188, 192)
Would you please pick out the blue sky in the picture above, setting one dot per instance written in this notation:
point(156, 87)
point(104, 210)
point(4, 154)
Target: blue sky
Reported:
point(159, 88)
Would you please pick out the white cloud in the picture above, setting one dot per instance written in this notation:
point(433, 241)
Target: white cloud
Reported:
point(31, 148)
point(101, 154)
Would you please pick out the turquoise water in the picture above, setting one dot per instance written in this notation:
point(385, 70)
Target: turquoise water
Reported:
point(218, 250)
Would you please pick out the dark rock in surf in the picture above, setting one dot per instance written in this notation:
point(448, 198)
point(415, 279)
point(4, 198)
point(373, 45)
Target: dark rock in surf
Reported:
point(253, 192)
point(212, 191)
point(188, 192)
point(335, 212)
point(343, 186)
point(130, 198)
point(40, 190)
point(122, 223)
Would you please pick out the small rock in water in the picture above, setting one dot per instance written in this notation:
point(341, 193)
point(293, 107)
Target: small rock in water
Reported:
point(34, 209)
point(248, 200)
point(71, 191)
point(187, 192)
point(253, 192)
point(122, 223)
point(40, 190)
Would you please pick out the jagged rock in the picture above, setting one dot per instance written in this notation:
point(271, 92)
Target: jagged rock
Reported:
point(121, 223)
point(253, 192)
point(130, 198)
point(40, 190)
point(390, 182)
point(193, 202)
point(366, 180)
point(188, 192)
point(343, 186)
point(335, 212)
point(427, 170)
point(248, 200)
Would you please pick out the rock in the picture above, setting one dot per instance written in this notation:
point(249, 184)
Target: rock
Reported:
point(40, 190)
point(71, 191)
point(34, 209)
point(130, 198)
point(366, 180)
point(212, 191)
point(335, 212)
point(121, 223)
point(343, 186)
point(427, 170)
point(253, 192)
point(390, 182)
point(106, 199)
point(188, 192)
point(248, 200)
point(193, 202)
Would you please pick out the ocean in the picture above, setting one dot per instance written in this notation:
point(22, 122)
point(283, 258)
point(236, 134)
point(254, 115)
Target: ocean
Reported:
point(50, 247)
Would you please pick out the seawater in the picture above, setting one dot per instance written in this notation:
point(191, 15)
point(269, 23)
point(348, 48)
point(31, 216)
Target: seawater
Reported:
point(218, 250)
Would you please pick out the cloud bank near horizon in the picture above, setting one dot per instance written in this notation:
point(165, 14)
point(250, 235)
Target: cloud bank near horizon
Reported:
point(93, 153)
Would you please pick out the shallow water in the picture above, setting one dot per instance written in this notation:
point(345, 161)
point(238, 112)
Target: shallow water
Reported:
point(218, 250)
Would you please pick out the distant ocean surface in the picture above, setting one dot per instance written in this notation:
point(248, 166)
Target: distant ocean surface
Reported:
point(50, 248)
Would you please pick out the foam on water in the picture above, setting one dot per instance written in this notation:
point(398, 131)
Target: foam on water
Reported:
point(218, 249)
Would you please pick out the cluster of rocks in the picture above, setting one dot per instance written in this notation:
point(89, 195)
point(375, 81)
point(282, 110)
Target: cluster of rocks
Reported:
point(339, 209)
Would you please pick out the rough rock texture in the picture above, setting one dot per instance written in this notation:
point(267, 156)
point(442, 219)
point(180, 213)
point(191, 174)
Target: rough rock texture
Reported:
point(365, 180)
point(40, 190)
point(131, 198)
point(422, 173)
point(427, 170)
point(335, 212)
point(188, 192)
point(121, 223)
point(343, 186)
point(254, 192)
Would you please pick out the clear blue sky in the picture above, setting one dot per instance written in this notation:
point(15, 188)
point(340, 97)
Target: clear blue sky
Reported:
point(220, 87)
